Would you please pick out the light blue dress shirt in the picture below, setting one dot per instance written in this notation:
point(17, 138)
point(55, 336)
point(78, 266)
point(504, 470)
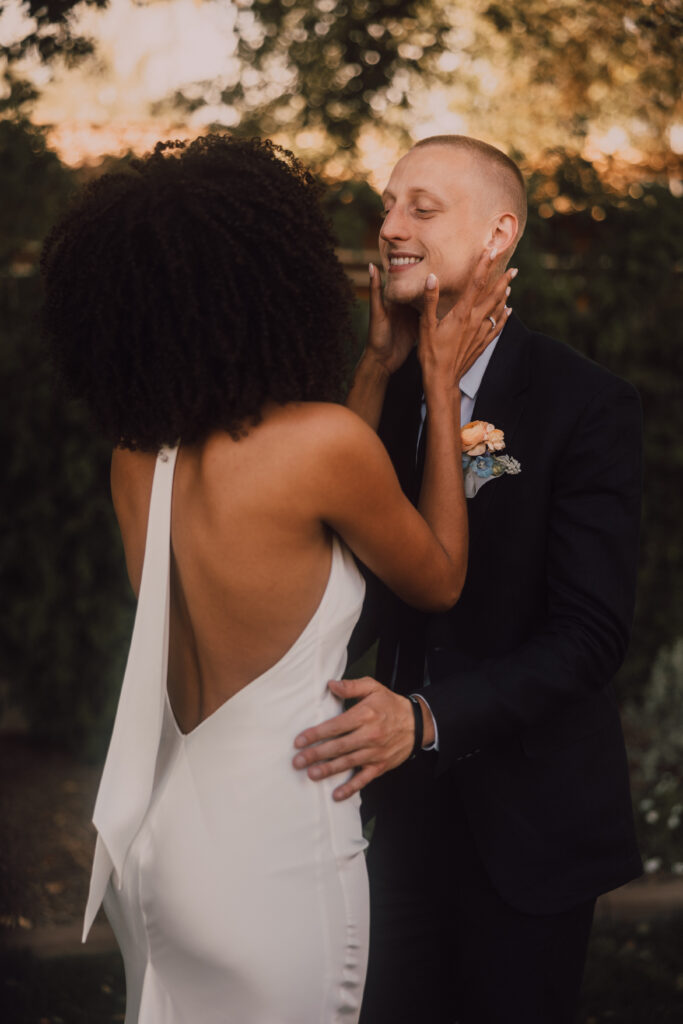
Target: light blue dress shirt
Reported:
point(469, 387)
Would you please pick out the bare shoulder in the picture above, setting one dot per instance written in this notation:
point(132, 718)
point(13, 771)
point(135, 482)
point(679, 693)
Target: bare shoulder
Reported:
point(328, 420)
point(300, 457)
point(335, 442)
point(328, 429)
point(317, 419)
point(302, 429)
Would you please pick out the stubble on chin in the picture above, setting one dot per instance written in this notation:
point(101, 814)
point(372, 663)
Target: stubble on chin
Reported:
point(401, 296)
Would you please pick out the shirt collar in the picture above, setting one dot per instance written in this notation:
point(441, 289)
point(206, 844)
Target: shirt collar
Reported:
point(471, 381)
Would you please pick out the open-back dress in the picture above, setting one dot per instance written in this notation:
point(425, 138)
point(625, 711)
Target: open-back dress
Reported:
point(235, 885)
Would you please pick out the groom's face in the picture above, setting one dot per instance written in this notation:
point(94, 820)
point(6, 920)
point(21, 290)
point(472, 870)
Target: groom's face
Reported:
point(437, 221)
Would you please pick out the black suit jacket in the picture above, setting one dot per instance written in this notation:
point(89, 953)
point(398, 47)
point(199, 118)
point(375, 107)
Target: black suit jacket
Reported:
point(520, 668)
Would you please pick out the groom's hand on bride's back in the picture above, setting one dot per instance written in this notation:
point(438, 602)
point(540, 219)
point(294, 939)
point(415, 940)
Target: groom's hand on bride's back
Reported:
point(376, 734)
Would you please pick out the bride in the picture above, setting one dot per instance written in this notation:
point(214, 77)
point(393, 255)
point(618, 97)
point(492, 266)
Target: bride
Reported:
point(195, 303)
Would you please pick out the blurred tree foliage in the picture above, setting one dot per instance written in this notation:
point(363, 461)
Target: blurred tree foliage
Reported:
point(67, 608)
point(50, 34)
point(530, 74)
point(330, 65)
point(355, 210)
point(52, 30)
point(34, 186)
point(601, 270)
point(308, 65)
point(626, 51)
point(339, 65)
point(654, 726)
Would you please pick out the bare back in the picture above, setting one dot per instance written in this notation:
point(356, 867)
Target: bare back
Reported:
point(251, 544)
point(250, 559)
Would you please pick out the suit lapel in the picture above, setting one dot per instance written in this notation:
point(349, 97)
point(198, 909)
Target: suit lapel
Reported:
point(501, 400)
point(398, 429)
point(401, 422)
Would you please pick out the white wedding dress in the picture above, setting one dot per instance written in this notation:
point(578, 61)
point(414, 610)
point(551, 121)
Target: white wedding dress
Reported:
point(235, 885)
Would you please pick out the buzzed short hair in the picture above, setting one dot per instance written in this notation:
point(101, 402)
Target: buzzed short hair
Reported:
point(505, 170)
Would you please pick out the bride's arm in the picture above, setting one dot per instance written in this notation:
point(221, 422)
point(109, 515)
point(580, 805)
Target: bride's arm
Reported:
point(421, 556)
point(354, 489)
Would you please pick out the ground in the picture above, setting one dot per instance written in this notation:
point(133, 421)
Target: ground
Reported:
point(46, 801)
point(634, 973)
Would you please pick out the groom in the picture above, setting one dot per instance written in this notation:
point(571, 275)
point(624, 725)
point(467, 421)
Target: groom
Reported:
point(491, 845)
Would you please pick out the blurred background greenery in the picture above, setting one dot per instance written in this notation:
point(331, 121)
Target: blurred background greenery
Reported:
point(585, 95)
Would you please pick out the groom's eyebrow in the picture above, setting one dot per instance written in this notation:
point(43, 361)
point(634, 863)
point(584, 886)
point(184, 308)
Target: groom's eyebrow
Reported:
point(432, 196)
point(415, 191)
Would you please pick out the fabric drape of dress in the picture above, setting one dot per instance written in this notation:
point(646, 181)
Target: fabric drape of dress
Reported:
point(236, 886)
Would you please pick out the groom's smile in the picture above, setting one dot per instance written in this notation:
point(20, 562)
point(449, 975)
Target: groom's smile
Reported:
point(399, 261)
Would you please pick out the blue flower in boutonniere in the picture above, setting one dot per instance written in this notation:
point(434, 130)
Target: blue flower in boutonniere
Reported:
point(481, 443)
point(483, 466)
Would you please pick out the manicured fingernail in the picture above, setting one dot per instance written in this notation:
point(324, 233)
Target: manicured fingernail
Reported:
point(514, 272)
point(299, 761)
point(431, 282)
point(508, 290)
point(315, 772)
point(371, 269)
point(508, 310)
point(493, 253)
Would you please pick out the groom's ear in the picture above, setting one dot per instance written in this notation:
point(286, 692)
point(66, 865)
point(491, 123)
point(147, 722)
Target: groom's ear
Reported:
point(503, 234)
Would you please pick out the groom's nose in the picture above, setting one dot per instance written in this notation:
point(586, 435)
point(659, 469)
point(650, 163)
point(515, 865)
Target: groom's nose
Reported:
point(395, 226)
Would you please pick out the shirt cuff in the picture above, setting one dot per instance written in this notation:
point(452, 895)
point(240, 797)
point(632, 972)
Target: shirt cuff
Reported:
point(435, 744)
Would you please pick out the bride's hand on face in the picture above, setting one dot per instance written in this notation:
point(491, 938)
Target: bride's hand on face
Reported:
point(392, 330)
point(448, 347)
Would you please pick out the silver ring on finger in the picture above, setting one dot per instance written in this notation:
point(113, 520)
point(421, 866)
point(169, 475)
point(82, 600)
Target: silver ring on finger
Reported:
point(493, 322)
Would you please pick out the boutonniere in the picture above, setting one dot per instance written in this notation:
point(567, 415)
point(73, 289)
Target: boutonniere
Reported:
point(481, 462)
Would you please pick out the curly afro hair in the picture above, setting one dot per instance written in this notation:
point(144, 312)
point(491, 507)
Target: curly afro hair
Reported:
point(182, 294)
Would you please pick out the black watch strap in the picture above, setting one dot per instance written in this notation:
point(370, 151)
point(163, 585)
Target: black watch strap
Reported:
point(419, 726)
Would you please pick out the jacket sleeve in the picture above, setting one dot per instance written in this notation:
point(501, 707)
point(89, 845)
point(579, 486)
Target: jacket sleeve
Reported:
point(591, 563)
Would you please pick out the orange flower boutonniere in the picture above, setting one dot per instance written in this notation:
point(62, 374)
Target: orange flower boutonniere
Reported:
point(481, 442)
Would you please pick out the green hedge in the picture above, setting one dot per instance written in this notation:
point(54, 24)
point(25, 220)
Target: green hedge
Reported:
point(68, 607)
point(615, 292)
